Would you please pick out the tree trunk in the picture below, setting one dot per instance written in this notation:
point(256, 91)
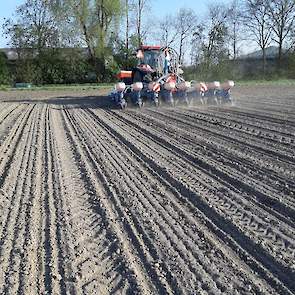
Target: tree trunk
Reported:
point(87, 39)
point(235, 42)
point(264, 62)
point(100, 69)
point(180, 50)
point(280, 54)
point(139, 22)
point(127, 30)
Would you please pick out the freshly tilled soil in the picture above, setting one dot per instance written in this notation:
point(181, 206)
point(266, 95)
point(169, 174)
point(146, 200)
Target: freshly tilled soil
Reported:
point(184, 200)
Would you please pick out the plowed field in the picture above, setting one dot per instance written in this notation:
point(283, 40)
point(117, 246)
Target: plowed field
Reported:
point(197, 200)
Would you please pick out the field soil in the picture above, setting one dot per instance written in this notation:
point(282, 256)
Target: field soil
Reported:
point(184, 200)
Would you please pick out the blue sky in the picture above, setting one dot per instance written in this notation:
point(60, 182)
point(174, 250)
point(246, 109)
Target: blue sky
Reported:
point(163, 7)
point(6, 10)
point(159, 8)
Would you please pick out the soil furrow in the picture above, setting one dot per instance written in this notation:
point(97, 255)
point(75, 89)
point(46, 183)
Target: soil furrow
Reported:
point(276, 194)
point(12, 233)
point(152, 200)
point(91, 237)
point(28, 274)
point(232, 118)
point(239, 237)
point(7, 113)
point(264, 200)
point(174, 223)
point(11, 149)
point(252, 113)
point(249, 140)
point(125, 232)
point(218, 188)
point(242, 160)
point(279, 138)
point(148, 207)
point(224, 153)
point(256, 156)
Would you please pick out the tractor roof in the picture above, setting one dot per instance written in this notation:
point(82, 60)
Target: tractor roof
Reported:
point(150, 47)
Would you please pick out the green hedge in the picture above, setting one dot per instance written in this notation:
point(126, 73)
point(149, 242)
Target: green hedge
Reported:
point(5, 75)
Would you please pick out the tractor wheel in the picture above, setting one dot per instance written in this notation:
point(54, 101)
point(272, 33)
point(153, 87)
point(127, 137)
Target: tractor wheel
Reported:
point(123, 105)
point(140, 104)
point(137, 77)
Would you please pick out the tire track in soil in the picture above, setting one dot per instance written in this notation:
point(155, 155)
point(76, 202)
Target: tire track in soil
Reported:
point(250, 141)
point(10, 251)
point(91, 201)
point(260, 115)
point(269, 195)
point(271, 162)
point(126, 235)
point(95, 264)
point(239, 118)
point(243, 126)
point(180, 229)
point(160, 228)
point(263, 257)
point(9, 150)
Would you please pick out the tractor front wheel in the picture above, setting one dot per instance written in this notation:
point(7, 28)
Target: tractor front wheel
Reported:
point(123, 104)
point(137, 76)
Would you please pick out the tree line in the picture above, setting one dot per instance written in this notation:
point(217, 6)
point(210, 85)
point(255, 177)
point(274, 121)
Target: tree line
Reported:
point(70, 41)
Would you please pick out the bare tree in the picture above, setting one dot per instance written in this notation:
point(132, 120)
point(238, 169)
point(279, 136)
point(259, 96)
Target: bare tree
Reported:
point(256, 20)
point(186, 22)
point(234, 23)
point(139, 8)
point(282, 17)
point(167, 33)
point(127, 26)
point(217, 32)
point(210, 41)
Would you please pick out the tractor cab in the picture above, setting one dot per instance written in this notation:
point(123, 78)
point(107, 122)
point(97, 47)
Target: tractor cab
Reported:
point(154, 62)
point(149, 64)
point(158, 60)
point(149, 55)
point(151, 58)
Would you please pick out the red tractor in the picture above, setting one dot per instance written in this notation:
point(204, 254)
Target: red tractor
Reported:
point(157, 74)
point(158, 77)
